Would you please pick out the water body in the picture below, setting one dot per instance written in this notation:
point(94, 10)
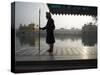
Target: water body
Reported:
point(64, 41)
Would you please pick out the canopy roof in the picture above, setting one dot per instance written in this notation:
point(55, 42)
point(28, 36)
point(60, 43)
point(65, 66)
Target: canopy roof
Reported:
point(72, 9)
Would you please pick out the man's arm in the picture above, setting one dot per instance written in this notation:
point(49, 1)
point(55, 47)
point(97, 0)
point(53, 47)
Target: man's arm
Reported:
point(43, 28)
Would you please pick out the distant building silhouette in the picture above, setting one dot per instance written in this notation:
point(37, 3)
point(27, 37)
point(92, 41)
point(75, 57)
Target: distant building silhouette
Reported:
point(89, 30)
point(29, 29)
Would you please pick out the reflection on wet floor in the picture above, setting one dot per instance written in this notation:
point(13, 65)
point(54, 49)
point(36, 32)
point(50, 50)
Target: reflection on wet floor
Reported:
point(58, 53)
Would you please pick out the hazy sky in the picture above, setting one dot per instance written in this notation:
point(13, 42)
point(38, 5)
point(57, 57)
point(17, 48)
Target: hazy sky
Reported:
point(26, 13)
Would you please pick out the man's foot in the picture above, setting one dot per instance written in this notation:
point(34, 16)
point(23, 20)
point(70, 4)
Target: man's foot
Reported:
point(51, 53)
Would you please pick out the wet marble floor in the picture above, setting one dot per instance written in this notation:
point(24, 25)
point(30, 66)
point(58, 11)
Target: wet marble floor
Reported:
point(68, 53)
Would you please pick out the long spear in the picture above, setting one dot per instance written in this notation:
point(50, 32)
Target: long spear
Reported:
point(39, 30)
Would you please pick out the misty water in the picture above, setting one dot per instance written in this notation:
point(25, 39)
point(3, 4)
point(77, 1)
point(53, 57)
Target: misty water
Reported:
point(67, 41)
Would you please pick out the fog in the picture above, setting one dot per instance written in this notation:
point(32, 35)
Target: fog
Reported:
point(26, 13)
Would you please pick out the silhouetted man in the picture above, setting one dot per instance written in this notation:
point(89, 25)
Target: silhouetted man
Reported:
point(50, 40)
